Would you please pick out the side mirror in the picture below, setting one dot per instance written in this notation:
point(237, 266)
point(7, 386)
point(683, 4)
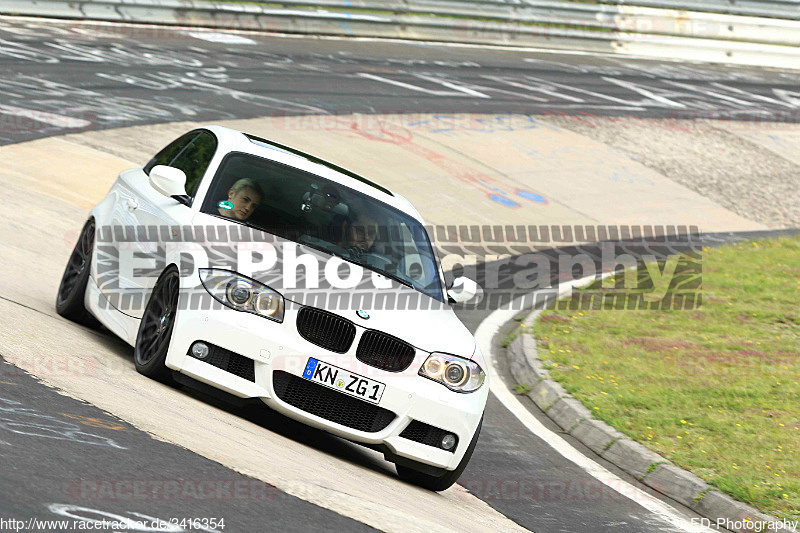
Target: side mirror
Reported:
point(463, 290)
point(168, 181)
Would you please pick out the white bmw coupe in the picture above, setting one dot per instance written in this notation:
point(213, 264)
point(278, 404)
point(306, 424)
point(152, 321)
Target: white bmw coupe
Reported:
point(270, 273)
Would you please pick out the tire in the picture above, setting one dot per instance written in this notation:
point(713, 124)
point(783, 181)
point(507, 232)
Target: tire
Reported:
point(155, 328)
point(447, 478)
point(72, 289)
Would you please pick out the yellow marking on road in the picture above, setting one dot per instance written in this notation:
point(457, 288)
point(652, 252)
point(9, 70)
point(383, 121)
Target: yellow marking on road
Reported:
point(96, 422)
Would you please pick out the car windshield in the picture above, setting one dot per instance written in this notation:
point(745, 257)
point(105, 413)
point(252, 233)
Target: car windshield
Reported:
point(306, 208)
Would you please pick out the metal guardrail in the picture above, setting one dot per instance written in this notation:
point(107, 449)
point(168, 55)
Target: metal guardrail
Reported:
point(659, 28)
point(782, 9)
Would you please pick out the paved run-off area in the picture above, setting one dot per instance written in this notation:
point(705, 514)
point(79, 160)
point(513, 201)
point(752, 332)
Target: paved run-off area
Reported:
point(522, 169)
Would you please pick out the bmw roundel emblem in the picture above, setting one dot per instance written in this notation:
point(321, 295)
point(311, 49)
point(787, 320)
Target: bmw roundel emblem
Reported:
point(362, 314)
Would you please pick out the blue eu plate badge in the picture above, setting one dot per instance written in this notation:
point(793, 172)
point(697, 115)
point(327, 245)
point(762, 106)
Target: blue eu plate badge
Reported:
point(308, 373)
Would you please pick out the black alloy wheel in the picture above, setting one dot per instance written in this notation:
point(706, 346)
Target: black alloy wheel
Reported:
point(155, 328)
point(71, 291)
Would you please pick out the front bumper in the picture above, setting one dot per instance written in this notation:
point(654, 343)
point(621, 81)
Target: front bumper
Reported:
point(278, 347)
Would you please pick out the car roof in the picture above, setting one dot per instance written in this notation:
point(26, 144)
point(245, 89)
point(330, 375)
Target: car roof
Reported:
point(231, 140)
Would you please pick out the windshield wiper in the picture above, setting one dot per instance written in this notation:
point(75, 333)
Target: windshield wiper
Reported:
point(390, 276)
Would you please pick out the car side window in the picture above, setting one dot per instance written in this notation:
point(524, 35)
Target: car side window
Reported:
point(165, 156)
point(194, 160)
point(191, 153)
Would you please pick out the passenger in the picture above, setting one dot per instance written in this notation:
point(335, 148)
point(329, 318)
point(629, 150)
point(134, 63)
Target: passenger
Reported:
point(243, 198)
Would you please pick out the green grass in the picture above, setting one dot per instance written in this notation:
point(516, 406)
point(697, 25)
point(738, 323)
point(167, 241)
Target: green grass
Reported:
point(510, 336)
point(715, 389)
point(522, 389)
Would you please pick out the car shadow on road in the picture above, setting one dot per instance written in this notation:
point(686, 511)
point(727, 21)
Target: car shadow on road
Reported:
point(257, 412)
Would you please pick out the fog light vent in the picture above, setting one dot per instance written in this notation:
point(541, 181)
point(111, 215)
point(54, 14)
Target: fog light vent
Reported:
point(430, 436)
point(199, 350)
point(226, 360)
point(448, 441)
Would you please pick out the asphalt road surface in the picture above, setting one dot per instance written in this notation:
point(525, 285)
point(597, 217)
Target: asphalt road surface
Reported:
point(63, 77)
point(66, 460)
point(58, 455)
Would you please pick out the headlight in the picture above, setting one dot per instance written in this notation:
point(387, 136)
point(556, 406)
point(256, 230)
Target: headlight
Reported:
point(455, 373)
point(242, 294)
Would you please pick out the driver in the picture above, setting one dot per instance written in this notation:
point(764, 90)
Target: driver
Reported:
point(243, 198)
point(359, 235)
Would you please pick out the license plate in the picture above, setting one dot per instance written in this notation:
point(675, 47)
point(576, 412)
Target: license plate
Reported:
point(343, 380)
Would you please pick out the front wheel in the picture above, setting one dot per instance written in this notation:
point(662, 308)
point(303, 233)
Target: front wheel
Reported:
point(438, 483)
point(72, 290)
point(155, 328)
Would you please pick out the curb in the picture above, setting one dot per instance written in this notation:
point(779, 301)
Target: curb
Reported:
point(643, 464)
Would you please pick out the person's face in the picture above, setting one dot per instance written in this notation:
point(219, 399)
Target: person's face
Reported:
point(244, 203)
point(361, 233)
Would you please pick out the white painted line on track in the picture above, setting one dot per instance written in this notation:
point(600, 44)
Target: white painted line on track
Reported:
point(59, 121)
point(484, 335)
point(219, 37)
point(460, 89)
